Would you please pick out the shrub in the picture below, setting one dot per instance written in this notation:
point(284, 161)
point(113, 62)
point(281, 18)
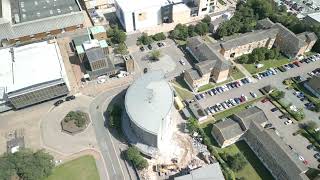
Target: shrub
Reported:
point(145, 39)
point(134, 155)
point(78, 117)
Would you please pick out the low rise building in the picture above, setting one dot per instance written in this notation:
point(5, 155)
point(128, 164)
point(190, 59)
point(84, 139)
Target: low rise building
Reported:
point(246, 43)
point(251, 125)
point(313, 18)
point(211, 64)
point(290, 44)
point(313, 85)
point(208, 172)
point(98, 32)
point(31, 74)
point(197, 111)
point(36, 19)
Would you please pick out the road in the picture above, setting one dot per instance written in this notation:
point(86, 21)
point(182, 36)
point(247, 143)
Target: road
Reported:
point(275, 81)
point(108, 145)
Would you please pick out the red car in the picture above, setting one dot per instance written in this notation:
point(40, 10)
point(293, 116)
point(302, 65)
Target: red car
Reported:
point(264, 100)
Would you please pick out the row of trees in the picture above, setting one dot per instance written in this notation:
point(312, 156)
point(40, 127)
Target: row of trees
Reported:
point(136, 158)
point(115, 113)
point(277, 94)
point(182, 32)
point(259, 54)
point(248, 12)
point(118, 36)
point(26, 164)
point(146, 40)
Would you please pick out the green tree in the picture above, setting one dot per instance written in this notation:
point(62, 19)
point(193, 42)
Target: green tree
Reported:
point(155, 54)
point(115, 113)
point(206, 19)
point(277, 94)
point(26, 165)
point(145, 39)
point(117, 35)
point(121, 49)
point(237, 161)
point(192, 125)
point(180, 32)
point(201, 28)
point(159, 36)
point(191, 31)
point(244, 59)
point(134, 155)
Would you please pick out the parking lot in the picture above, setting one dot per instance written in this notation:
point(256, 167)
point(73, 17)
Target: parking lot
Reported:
point(169, 62)
point(297, 143)
point(274, 80)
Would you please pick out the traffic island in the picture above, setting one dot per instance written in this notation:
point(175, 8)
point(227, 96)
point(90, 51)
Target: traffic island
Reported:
point(75, 122)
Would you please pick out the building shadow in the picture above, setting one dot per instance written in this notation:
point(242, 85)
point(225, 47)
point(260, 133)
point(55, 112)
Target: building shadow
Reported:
point(116, 132)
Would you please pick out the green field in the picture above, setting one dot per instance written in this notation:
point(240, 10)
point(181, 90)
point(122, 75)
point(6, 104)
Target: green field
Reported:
point(267, 64)
point(82, 168)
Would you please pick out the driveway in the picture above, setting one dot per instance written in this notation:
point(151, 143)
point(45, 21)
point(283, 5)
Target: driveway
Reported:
point(171, 55)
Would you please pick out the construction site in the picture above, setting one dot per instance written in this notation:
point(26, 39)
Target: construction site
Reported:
point(184, 153)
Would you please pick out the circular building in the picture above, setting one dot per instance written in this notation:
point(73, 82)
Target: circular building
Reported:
point(148, 104)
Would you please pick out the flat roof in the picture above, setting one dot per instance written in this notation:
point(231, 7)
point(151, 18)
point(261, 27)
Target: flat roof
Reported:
point(97, 29)
point(29, 10)
point(133, 5)
point(149, 100)
point(30, 65)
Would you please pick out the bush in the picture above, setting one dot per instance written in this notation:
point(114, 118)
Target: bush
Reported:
point(244, 59)
point(159, 36)
point(277, 94)
point(78, 117)
point(155, 54)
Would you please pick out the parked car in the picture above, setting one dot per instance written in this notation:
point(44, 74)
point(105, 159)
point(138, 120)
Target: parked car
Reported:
point(274, 109)
point(57, 103)
point(288, 122)
point(264, 100)
point(142, 48)
point(311, 146)
point(149, 47)
point(317, 156)
point(182, 62)
point(160, 44)
point(254, 95)
point(69, 98)
point(145, 70)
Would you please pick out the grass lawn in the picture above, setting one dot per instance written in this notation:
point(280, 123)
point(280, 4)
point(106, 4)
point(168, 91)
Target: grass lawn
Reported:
point(183, 93)
point(267, 64)
point(82, 168)
point(236, 74)
point(206, 87)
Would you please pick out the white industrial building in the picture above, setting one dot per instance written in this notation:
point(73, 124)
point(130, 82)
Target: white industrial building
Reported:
point(31, 74)
point(148, 105)
point(22, 20)
point(141, 14)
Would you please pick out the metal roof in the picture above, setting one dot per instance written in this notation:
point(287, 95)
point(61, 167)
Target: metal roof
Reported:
point(30, 65)
point(149, 100)
point(29, 10)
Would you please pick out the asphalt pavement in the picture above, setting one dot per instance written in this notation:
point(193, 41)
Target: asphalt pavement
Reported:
point(275, 81)
point(116, 168)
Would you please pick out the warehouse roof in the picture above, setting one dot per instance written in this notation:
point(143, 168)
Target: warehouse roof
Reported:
point(25, 66)
point(149, 100)
point(29, 10)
